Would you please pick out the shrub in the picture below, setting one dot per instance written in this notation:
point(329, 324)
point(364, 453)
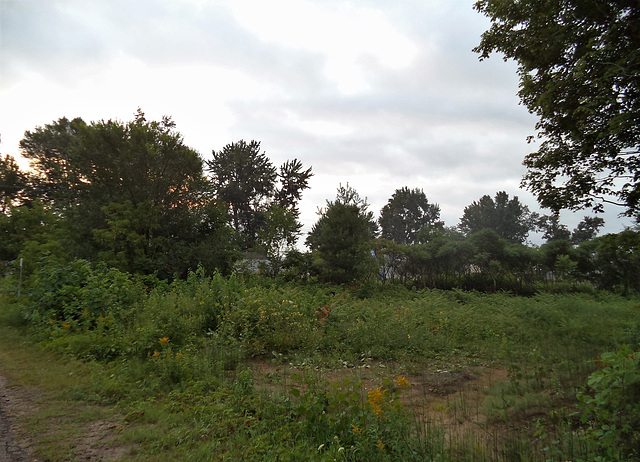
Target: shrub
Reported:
point(612, 410)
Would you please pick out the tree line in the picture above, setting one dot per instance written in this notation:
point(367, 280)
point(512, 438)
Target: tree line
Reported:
point(133, 196)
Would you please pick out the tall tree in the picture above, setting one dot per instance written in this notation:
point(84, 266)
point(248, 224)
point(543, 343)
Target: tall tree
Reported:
point(509, 218)
point(587, 229)
point(406, 213)
point(12, 182)
point(247, 181)
point(293, 180)
point(342, 238)
point(57, 162)
point(552, 229)
point(128, 182)
point(579, 69)
point(278, 235)
point(244, 178)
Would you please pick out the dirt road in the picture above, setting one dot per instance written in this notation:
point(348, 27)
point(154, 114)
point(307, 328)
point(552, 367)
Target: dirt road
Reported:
point(9, 449)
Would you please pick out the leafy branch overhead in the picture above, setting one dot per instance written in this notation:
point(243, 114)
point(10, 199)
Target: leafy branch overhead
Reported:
point(579, 68)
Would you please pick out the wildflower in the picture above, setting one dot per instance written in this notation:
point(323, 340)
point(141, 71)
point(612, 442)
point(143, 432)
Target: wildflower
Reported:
point(179, 355)
point(355, 429)
point(156, 354)
point(163, 340)
point(65, 325)
point(402, 382)
point(375, 398)
point(380, 445)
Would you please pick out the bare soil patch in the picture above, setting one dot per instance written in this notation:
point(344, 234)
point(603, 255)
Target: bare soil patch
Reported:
point(451, 399)
point(18, 403)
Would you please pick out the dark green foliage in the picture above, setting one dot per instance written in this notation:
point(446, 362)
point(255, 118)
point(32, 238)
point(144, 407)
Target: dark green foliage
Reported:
point(32, 233)
point(406, 214)
point(130, 194)
point(617, 261)
point(293, 180)
point(244, 178)
point(586, 230)
point(12, 183)
point(611, 406)
point(247, 181)
point(578, 63)
point(54, 155)
point(507, 217)
point(552, 228)
point(342, 238)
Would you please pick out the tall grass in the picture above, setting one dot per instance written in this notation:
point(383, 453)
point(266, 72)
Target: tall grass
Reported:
point(177, 359)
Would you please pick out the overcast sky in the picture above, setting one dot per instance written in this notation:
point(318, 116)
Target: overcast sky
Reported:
point(372, 93)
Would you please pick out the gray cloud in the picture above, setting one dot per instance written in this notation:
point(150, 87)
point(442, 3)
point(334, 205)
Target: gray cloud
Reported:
point(442, 121)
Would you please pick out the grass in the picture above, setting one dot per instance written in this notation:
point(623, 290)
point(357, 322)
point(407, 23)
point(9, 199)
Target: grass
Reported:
point(203, 369)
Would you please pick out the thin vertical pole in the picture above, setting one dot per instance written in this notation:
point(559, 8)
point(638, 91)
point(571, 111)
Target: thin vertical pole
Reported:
point(20, 280)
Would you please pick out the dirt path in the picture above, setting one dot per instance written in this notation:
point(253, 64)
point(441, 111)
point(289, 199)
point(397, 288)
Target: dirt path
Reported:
point(10, 451)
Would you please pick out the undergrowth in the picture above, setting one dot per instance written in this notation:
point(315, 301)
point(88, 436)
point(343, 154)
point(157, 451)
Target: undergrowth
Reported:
point(177, 360)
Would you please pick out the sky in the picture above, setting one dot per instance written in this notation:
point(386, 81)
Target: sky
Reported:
point(376, 94)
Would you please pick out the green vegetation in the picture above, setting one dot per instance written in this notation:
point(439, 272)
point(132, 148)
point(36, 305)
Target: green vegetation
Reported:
point(248, 368)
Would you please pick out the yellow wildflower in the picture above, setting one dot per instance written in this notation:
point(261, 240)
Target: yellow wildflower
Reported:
point(375, 398)
point(65, 325)
point(156, 354)
point(179, 355)
point(355, 429)
point(380, 445)
point(402, 382)
point(163, 340)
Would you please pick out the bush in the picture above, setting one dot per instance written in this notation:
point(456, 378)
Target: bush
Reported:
point(612, 410)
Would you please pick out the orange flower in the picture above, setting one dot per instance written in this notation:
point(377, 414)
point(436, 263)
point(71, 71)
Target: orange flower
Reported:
point(163, 340)
point(179, 355)
point(156, 354)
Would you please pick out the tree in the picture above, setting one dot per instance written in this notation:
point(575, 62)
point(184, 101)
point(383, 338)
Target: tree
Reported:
point(342, 238)
point(552, 228)
point(578, 63)
point(586, 230)
point(618, 261)
point(12, 182)
point(127, 188)
point(245, 178)
point(57, 162)
point(406, 213)
point(293, 180)
point(510, 219)
point(278, 235)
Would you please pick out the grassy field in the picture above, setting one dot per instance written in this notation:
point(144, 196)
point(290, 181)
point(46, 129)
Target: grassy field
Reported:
point(110, 366)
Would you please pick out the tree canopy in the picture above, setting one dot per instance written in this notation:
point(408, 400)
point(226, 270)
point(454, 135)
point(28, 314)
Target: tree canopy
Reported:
point(579, 68)
point(248, 182)
point(509, 218)
point(406, 213)
point(341, 237)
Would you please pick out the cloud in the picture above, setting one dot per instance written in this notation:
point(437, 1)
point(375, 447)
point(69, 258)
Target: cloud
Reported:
point(374, 93)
